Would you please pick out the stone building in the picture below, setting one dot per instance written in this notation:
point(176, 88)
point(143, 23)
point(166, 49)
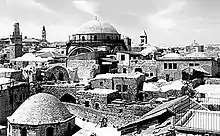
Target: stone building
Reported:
point(135, 62)
point(171, 67)
point(41, 114)
point(194, 47)
point(128, 85)
point(96, 98)
point(12, 94)
point(92, 42)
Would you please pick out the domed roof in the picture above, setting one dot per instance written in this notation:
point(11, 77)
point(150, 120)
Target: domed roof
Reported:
point(96, 26)
point(39, 109)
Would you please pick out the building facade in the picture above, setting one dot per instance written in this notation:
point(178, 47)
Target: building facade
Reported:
point(128, 85)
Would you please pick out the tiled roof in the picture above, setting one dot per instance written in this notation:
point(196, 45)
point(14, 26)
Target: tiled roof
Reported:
point(178, 105)
point(39, 109)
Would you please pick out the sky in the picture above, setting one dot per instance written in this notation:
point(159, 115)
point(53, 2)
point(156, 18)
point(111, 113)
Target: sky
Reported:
point(170, 22)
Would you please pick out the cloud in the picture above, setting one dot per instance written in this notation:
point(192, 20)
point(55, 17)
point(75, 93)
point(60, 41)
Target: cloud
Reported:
point(90, 7)
point(165, 18)
point(30, 4)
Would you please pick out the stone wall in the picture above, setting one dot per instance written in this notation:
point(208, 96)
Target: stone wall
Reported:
point(101, 99)
point(102, 83)
point(11, 96)
point(58, 90)
point(147, 66)
point(133, 85)
point(87, 69)
point(95, 116)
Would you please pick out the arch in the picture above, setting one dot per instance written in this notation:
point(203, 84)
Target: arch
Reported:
point(78, 50)
point(95, 38)
point(57, 72)
point(68, 98)
point(49, 131)
point(23, 132)
point(138, 70)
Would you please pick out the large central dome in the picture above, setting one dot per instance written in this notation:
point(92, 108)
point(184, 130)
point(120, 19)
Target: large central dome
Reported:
point(96, 26)
point(40, 109)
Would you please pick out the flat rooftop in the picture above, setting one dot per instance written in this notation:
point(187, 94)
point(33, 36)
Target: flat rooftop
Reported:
point(125, 75)
point(99, 91)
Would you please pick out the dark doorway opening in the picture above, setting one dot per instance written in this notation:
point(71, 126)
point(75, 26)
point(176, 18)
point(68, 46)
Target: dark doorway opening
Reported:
point(68, 98)
point(87, 104)
point(49, 131)
point(23, 132)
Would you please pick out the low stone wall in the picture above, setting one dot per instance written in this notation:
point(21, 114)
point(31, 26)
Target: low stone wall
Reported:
point(95, 116)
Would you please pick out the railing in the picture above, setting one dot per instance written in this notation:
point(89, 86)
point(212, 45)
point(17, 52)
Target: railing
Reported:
point(98, 41)
point(201, 121)
point(209, 100)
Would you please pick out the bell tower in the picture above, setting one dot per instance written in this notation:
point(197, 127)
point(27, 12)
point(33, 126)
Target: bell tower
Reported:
point(143, 37)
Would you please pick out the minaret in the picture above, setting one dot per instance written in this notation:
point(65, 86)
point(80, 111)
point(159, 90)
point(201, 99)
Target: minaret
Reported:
point(143, 37)
point(16, 37)
point(16, 45)
point(44, 38)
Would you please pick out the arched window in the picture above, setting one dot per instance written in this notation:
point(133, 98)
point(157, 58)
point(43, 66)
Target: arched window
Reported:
point(95, 38)
point(108, 38)
point(117, 38)
point(23, 132)
point(83, 38)
point(69, 127)
point(60, 76)
point(49, 131)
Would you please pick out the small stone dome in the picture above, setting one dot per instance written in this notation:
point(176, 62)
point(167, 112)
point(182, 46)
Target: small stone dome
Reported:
point(40, 109)
point(96, 26)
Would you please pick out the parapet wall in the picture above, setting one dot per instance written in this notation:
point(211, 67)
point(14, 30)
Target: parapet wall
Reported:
point(114, 118)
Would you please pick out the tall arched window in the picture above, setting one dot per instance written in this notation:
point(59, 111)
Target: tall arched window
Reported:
point(95, 38)
point(83, 38)
point(49, 131)
point(69, 127)
point(108, 38)
point(61, 77)
point(23, 132)
point(117, 38)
